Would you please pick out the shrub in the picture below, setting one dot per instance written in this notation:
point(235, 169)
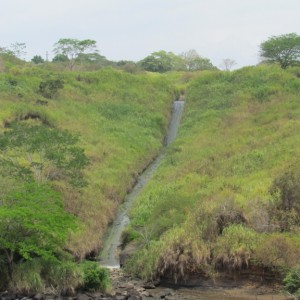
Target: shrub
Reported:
point(63, 276)
point(277, 250)
point(27, 277)
point(49, 88)
point(37, 275)
point(288, 187)
point(292, 282)
point(286, 195)
point(94, 277)
point(234, 248)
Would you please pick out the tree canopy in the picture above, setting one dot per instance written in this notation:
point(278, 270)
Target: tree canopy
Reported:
point(48, 153)
point(192, 61)
point(160, 61)
point(72, 48)
point(33, 223)
point(283, 49)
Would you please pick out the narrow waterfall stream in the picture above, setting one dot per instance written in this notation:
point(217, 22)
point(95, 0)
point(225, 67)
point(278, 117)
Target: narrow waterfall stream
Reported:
point(109, 255)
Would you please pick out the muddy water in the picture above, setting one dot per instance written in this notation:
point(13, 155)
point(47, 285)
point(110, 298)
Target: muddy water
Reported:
point(214, 293)
point(109, 256)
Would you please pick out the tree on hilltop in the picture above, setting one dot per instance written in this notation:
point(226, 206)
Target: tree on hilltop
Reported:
point(227, 64)
point(192, 61)
point(73, 48)
point(160, 61)
point(283, 49)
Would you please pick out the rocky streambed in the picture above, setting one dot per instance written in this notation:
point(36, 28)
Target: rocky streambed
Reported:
point(126, 288)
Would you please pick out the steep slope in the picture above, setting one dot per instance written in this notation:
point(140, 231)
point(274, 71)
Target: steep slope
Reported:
point(226, 197)
point(121, 120)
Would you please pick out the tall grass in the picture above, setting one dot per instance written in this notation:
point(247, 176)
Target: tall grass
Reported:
point(121, 119)
point(240, 130)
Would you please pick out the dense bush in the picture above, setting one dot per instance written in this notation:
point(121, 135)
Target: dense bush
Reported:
point(94, 277)
point(292, 282)
point(50, 87)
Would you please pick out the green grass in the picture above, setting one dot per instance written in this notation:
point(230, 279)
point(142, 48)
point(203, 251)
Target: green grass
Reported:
point(121, 119)
point(240, 131)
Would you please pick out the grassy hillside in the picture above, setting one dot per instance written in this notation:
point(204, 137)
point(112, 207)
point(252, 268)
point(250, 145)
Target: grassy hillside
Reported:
point(226, 197)
point(119, 118)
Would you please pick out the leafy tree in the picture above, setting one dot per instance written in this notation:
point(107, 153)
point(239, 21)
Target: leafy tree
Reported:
point(283, 49)
point(37, 59)
point(72, 48)
point(33, 223)
point(48, 153)
point(160, 61)
point(192, 61)
point(60, 58)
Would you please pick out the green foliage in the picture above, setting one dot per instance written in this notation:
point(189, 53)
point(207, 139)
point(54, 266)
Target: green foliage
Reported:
point(60, 58)
point(40, 275)
point(119, 119)
point(279, 251)
point(49, 153)
point(27, 277)
point(239, 133)
point(160, 61)
point(37, 59)
point(95, 278)
point(50, 87)
point(292, 282)
point(62, 276)
point(32, 223)
point(72, 48)
point(287, 185)
point(283, 49)
point(234, 248)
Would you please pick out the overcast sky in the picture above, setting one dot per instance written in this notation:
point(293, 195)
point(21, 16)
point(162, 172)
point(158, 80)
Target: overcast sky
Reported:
point(132, 29)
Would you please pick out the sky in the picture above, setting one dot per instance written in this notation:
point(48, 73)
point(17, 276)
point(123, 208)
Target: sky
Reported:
point(133, 29)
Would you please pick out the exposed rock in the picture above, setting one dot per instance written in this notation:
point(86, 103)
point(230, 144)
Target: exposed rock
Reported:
point(39, 296)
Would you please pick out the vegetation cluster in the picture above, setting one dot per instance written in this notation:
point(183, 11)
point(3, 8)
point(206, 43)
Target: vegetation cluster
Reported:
point(226, 197)
point(71, 146)
point(76, 132)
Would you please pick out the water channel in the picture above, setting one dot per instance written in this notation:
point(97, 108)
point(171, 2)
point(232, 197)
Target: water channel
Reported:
point(109, 256)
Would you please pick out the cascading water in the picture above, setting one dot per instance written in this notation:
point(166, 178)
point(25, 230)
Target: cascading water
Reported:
point(109, 255)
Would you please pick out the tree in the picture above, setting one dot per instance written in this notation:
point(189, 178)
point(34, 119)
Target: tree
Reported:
point(37, 59)
point(48, 153)
point(18, 49)
point(227, 64)
point(72, 48)
point(60, 58)
point(283, 49)
point(194, 62)
point(160, 61)
point(33, 223)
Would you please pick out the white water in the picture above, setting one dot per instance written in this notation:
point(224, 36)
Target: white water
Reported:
point(109, 256)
